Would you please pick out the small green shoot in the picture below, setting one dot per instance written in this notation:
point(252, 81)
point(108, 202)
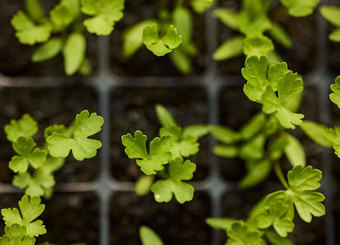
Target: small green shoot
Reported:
point(35, 166)
point(164, 45)
point(61, 32)
point(166, 158)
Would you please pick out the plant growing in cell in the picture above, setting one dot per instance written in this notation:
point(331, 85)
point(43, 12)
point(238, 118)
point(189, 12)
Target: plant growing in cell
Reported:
point(34, 167)
point(62, 30)
point(261, 143)
point(170, 33)
point(253, 22)
point(164, 163)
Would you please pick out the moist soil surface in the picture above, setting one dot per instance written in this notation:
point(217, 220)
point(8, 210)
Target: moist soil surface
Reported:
point(47, 106)
point(15, 58)
point(68, 217)
point(175, 223)
point(133, 109)
point(144, 62)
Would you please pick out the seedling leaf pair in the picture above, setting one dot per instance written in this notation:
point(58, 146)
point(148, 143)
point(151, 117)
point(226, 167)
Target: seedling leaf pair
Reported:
point(154, 160)
point(242, 234)
point(164, 45)
point(35, 185)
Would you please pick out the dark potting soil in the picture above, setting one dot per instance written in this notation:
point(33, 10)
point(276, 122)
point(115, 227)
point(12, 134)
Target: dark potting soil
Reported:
point(8, 201)
point(133, 109)
point(47, 106)
point(68, 217)
point(15, 58)
point(336, 216)
point(236, 109)
point(71, 218)
point(144, 62)
point(175, 223)
point(238, 205)
point(300, 58)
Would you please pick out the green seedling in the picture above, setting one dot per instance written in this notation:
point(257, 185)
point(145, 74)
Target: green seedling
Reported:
point(170, 33)
point(34, 166)
point(165, 158)
point(253, 22)
point(62, 30)
point(261, 143)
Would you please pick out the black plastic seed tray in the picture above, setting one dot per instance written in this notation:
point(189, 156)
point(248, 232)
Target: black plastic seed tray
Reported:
point(94, 201)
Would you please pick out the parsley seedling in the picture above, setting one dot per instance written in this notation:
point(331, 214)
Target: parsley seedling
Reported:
point(170, 33)
point(21, 225)
point(261, 143)
point(62, 30)
point(35, 166)
point(252, 21)
point(165, 158)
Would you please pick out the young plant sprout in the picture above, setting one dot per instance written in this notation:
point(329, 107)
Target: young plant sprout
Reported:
point(62, 30)
point(253, 21)
point(165, 158)
point(170, 33)
point(34, 166)
point(261, 143)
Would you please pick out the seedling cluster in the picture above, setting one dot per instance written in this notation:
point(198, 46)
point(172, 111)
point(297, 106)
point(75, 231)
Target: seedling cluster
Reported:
point(34, 168)
point(262, 143)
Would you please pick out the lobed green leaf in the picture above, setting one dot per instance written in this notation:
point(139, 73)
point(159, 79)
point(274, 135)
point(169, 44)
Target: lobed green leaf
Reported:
point(241, 234)
point(27, 156)
point(29, 33)
point(26, 127)
point(258, 45)
point(178, 171)
point(30, 210)
point(105, 14)
point(82, 147)
point(300, 8)
point(161, 46)
point(135, 147)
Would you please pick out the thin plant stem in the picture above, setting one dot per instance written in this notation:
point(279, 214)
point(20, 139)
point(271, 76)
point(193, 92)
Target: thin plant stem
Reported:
point(279, 174)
